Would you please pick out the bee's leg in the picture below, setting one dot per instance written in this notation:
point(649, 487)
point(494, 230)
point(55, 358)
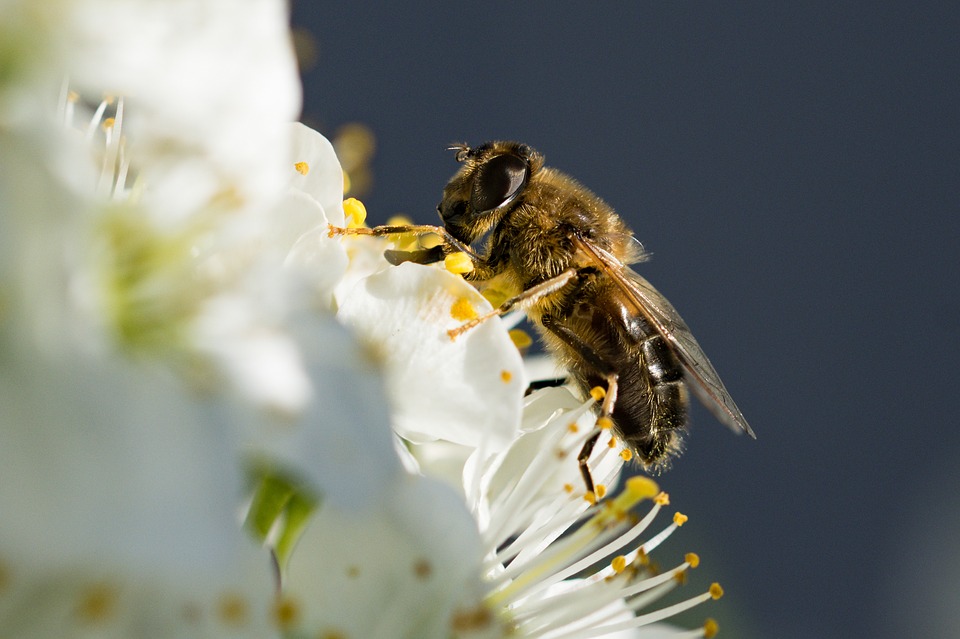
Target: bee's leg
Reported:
point(584, 458)
point(422, 256)
point(602, 368)
point(545, 383)
point(417, 229)
point(532, 294)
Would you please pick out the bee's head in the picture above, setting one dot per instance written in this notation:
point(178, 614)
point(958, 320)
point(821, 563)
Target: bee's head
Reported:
point(492, 178)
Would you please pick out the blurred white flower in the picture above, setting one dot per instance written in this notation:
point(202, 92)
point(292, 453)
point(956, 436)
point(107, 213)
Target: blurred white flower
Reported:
point(170, 364)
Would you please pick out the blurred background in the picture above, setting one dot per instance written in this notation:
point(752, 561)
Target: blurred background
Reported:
point(795, 172)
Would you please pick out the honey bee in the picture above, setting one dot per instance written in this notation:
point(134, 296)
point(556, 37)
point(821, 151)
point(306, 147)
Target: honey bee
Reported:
point(564, 252)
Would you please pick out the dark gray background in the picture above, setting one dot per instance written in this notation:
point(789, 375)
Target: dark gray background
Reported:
point(795, 171)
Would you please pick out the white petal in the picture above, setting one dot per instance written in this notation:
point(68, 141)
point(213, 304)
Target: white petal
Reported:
point(467, 390)
point(399, 570)
point(116, 464)
point(320, 176)
point(341, 440)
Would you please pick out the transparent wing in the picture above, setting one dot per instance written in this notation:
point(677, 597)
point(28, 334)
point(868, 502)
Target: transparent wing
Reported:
point(661, 314)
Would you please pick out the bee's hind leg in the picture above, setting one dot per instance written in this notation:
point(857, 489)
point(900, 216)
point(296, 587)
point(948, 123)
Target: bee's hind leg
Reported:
point(602, 368)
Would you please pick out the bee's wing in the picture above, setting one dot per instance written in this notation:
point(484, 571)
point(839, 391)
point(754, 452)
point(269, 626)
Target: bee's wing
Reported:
point(661, 314)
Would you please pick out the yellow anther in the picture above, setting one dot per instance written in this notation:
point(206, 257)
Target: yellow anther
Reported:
point(680, 577)
point(643, 558)
point(108, 123)
point(590, 497)
point(692, 558)
point(520, 338)
point(286, 613)
point(98, 603)
point(642, 487)
point(679, 519)
point(601, 491)
point(232, 609)
point(458, 263)
point(572, 427)
point(495, 296)
point(619, 563)
point(399, 220)
point(604, 423)
point(355, 212)
point(429, 240)
point(710, 629)
point(302, 168)
point(715, 590)
point(626, 454)
point(568, 488)
point(462, 310)
point(422, 569)
point(597, 393)
point(612, 442)
point(506, 376)
point(663, 499)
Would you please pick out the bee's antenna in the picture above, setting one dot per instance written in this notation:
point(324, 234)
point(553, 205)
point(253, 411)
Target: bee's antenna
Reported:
point(463, 151)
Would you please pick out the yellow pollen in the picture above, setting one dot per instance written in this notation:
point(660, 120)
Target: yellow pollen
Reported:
point(663, 499)
point(422, 569)
point(506, 376)
point(612, 442)
point(601, 491)
point(466, 621)
point(573, 428)
point(604, 423)
point(715, 590)
point(568, 488)
point(495, 296)
point(458, 263)
point(642, 487)
point(399, 220)
point(286, 613)
point(97, 604)
point(679, 519)
point(692, 558)
point(520, 338)
point(597, 393)
point(590, 497)
point(619, 563)
point(429, 240)
point(108, 123)
point(302, 168)
point(355, 212)
point(462, 310)
point(642, 557)
point(232, 609)
point(626, 454)
point(710, 629)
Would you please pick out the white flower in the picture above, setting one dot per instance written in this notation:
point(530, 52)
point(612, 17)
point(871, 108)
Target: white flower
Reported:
point(467, 390)
point(541, 538)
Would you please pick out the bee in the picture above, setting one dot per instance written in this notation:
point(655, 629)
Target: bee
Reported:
point(565, 253)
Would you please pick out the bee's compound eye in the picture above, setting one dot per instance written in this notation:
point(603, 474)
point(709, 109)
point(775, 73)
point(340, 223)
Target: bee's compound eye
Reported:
point(498, 181)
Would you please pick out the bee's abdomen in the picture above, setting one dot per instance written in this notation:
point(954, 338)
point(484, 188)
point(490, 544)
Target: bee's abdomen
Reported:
point(652, 401)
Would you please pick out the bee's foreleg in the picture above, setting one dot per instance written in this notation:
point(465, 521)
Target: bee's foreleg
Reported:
point(416, 229)
point(528, 296)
